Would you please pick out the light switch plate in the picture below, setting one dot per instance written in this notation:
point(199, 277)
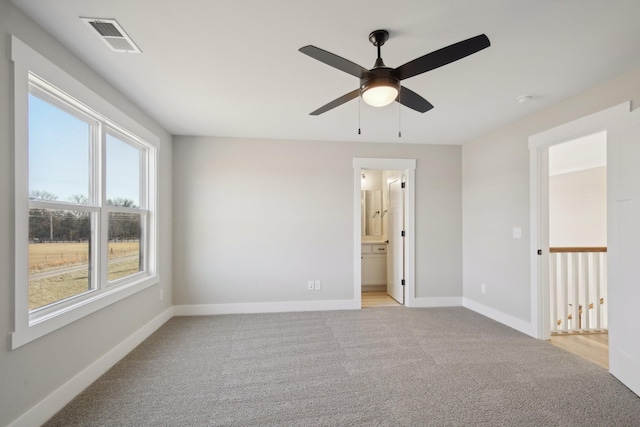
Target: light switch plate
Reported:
point(517, 232)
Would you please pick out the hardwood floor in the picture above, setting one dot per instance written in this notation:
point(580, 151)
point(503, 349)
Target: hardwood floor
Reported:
point(378, 299)
point(591, 347)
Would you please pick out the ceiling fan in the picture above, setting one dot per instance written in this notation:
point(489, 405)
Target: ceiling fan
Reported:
point(380, 85)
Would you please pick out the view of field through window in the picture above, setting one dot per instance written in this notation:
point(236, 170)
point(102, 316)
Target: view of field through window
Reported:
point(63, 218)
point(59, 253)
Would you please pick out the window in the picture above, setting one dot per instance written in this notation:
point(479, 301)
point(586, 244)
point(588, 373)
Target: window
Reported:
point(61, 220)
point(126, 200)
point(85, 196)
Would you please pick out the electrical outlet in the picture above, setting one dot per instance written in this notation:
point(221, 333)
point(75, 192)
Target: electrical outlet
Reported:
point(483, 288)
point(318, 285)
point(310, 285)
point(517, 232)
point(161, 294)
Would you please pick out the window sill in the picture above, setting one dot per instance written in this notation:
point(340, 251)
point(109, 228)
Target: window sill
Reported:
point(43, 324)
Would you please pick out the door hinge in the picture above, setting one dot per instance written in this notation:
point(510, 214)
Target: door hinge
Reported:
point(404, 185)
point(402, 283)
point(402, 234)
point(539, 251)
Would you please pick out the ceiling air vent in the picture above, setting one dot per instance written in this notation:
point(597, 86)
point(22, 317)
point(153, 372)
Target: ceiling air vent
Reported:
point(112, 34)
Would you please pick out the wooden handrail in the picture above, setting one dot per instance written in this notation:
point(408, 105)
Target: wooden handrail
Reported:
point(578, 249)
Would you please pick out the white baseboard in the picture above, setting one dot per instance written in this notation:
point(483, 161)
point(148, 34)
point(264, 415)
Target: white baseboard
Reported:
point(506, 319)
point(264, 307)
point(437, 302)
point(51, 404)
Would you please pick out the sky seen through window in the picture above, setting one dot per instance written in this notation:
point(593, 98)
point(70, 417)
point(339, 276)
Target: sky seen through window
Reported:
point(59, 156)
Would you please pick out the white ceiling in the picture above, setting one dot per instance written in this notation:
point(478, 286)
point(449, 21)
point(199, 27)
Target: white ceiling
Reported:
point(232, 68)
point(578, 154)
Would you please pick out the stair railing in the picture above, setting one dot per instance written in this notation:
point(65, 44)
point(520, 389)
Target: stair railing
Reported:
point(578, 289)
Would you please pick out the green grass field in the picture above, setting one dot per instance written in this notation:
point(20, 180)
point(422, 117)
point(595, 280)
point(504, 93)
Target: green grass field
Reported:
point(50, 257)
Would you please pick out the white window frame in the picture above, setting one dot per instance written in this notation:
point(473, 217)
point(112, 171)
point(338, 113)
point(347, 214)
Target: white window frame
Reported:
point(30, 325)
point(142, 210)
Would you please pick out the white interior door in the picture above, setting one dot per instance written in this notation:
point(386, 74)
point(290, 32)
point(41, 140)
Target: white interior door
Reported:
point(624, 249)
point(395, 248)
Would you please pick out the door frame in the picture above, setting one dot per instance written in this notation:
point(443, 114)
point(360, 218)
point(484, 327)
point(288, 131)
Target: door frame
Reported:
point(408, 168)
point(539, 204)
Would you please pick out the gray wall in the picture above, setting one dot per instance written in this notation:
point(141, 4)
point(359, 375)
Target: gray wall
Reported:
point(255, 219)
point(33, 371)
point(578, 208)
point(496, 198)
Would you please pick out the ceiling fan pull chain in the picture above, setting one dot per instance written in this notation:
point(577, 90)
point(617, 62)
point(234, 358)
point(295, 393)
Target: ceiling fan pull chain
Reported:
point(399, 117)
point(359, 101)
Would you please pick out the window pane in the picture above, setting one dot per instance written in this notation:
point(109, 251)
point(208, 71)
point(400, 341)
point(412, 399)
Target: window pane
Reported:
point(125, 256)
point(59, 255)
point(58, 154)
point(123, 173)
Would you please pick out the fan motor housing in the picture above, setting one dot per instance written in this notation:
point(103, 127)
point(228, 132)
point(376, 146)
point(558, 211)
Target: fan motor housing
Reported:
point(379, 77)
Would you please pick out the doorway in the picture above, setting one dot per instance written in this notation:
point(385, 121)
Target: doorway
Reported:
point(539, 146)
point(623, 188)
point(577, 201)
point(382, 241)
point(396, 229)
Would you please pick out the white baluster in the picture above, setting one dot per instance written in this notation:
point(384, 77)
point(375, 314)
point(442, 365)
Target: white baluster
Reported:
point(575, 306)
point(564, 285)
point(596, 290)
point(604, 293)
point(586, 325)
point(553, 291)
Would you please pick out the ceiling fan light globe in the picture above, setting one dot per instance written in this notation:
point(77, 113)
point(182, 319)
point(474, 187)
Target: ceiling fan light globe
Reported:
point(380, 96)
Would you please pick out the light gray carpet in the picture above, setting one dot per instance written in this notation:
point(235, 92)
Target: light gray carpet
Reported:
point(388, 366)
